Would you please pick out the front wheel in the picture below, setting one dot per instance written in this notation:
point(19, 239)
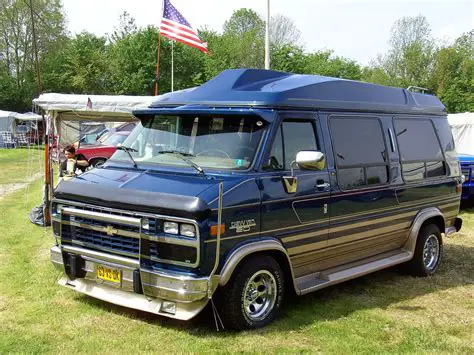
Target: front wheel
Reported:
point(253, 297)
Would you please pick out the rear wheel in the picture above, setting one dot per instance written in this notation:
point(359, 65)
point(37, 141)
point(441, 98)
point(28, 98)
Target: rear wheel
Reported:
point(254, 295)
point(428, 252)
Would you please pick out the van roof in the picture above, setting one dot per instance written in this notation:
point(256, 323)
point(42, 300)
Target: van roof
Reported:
point(273, 89)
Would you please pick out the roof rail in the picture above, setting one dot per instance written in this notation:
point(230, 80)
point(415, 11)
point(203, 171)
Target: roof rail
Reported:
point(420, 90)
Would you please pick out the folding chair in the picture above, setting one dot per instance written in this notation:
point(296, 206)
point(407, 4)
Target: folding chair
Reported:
point(8, 141)
point(22, 140)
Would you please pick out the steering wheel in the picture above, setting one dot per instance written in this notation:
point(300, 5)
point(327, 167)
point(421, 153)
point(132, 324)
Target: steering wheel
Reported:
point(221, 152)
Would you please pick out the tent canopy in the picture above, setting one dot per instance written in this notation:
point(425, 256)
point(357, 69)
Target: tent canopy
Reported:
point(67, 114)
point(462, 126)
point(28, 116)
point(103, 108)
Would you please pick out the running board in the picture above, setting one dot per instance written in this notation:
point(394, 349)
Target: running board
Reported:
point(319, 280)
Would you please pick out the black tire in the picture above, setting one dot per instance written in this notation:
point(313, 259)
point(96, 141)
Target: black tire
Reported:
point(231, 298)
point(422, 265)
point(95, 163)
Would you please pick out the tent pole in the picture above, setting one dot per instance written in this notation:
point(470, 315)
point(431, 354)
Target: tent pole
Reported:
point(47, 177)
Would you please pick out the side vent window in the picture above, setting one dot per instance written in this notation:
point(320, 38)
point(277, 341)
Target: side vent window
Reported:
point(360, 151)
point(420, 151)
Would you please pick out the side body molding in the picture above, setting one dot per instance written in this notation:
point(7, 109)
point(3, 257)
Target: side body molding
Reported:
point(245, 250)
point(420, 218)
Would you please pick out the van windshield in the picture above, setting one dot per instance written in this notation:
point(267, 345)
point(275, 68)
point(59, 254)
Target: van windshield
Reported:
point(221, 142)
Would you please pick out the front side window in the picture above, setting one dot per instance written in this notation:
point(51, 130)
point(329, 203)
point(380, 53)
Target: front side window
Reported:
point(420, 152)
point(221, 142)
point(360, 151)
point(292, 137)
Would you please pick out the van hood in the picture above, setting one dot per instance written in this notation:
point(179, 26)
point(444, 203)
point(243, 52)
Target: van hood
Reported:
point(146, 191)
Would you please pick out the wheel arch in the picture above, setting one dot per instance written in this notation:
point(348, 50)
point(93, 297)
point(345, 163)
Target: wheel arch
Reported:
point(271, 247)
point(427, 216)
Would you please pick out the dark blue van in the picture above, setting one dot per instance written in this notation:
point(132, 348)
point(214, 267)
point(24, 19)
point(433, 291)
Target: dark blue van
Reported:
point(257, 183)
point(467, 169)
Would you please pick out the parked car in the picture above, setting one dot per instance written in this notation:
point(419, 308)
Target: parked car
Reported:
point(97, 154)
point(467, 168)
point(257, 183)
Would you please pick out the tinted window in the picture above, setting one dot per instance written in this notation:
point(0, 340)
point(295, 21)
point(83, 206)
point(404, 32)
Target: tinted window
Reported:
point(276, 160)
point(360, 152)
point(297, 136)
point(292, 137)
point(357, 141)
point(417, 140)
point(445, 135)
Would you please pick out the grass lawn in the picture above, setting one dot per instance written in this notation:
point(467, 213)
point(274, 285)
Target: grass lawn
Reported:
point(382, 312)
point(18, 164)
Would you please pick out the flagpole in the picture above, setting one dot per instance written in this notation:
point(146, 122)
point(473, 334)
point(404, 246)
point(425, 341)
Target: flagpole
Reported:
point(157, 63)
point(267, 38)
point(172, 65)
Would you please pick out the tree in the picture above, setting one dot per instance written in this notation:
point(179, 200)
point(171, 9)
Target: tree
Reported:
point(453, 74)
point(82, 66)
point(16, 50)
point(283, 32)
point(410, 59)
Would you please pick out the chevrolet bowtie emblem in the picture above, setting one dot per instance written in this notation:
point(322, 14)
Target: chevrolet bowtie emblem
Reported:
point(110, 230)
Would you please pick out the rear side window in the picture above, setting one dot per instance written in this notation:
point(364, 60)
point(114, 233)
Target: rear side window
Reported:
point(360, 151)
point(420, 152)
point(445, 136)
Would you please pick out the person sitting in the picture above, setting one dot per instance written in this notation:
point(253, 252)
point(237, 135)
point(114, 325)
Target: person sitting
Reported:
point(72, 163)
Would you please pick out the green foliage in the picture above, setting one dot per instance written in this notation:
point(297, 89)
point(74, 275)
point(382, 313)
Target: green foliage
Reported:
point(453, 75)
point(125, 62)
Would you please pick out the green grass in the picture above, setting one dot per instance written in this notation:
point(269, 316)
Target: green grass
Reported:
point(18, 164)
point(380, 313)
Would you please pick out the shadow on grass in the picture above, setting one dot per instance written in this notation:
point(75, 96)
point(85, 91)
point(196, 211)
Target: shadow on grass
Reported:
point(378, 290)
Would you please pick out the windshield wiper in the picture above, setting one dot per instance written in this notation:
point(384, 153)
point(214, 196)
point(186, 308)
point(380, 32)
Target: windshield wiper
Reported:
point(184, 156)
point(128, 150)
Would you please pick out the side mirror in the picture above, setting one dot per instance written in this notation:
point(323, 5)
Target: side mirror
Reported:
point(305, 159)
point(311, 160)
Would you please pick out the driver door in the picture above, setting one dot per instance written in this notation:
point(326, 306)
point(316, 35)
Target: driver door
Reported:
point(299, 219)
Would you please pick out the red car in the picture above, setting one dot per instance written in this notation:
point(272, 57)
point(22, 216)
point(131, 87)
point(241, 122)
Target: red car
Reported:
point(97, 154)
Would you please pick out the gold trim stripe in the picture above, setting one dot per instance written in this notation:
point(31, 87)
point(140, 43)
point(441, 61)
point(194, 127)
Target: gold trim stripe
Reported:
point(400, 207)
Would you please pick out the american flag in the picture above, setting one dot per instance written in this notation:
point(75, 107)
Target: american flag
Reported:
point(174, 26)
point(89, 103)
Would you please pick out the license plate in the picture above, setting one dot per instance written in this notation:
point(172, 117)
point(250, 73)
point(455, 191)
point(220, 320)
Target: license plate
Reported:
point(108, 274)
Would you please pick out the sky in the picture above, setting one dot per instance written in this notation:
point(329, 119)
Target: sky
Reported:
point(355, 29)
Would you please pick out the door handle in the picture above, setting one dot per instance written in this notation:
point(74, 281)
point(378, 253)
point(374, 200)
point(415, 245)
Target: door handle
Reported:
point(322, 185)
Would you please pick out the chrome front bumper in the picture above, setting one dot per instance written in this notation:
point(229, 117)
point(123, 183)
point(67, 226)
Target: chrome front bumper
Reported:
point(189, 293)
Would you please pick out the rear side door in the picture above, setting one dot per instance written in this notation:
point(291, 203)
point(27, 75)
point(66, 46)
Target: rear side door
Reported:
point(300, 219)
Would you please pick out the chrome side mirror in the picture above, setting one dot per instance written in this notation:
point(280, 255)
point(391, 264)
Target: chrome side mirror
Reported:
point(310, 160)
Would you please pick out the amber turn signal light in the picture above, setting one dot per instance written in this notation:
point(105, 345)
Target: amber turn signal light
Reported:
point(458, 188)
point(214, 229)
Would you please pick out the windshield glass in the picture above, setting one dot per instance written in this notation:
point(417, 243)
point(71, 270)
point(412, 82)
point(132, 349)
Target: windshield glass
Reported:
point(113, 139)
point(223, 142)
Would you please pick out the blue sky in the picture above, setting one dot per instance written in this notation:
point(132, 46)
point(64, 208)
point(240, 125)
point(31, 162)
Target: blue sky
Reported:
point(355, 29)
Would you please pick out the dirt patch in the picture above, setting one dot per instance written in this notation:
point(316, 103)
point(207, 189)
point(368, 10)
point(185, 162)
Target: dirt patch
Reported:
point(6, 189)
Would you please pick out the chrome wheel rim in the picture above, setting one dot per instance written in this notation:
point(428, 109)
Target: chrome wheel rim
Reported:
point(260, 295)
point(431, 252)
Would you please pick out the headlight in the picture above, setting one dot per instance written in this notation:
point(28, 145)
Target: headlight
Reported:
point(145, 223)
point(187, 230)
point(171, 227)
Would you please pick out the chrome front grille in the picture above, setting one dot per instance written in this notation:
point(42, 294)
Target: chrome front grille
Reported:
point(120, 233)
point(468, 172)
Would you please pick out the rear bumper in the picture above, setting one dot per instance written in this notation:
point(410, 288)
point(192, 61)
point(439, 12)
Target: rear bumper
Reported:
point(139, 289)
point(456, 226)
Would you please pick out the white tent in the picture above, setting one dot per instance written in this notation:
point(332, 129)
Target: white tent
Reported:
point(462, 126)
point(6, 120)
point(66, 112)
